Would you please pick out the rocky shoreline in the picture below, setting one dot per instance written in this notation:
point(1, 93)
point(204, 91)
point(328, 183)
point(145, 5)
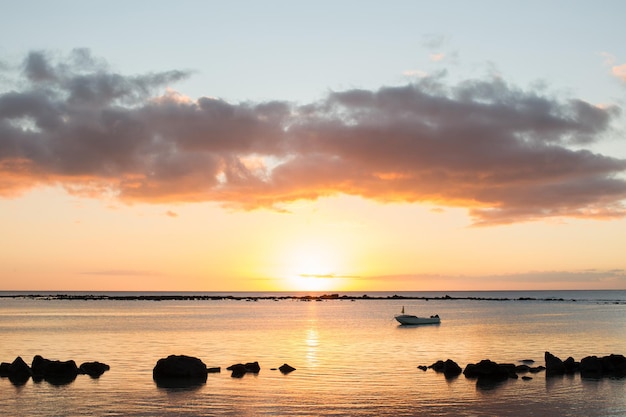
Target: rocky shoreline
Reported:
point(183, 371)
point(324, 297)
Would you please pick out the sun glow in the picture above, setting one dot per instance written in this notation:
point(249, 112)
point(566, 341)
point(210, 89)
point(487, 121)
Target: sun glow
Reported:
point(313, 267)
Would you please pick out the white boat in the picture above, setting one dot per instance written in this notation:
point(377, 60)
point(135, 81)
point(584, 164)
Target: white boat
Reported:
point(411, 319)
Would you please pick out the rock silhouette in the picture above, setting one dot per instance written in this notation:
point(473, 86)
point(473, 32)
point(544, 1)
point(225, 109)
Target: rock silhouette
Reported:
point(55, 372)
point(239, 369)
point(449, 368)
point(285, 369)
point(93, 369)
point(179, 371)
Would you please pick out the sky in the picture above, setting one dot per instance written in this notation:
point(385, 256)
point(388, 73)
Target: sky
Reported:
point(312, 146)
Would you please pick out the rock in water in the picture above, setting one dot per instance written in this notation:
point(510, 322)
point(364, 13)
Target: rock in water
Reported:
point(19, 371)
point(285, 369)
point(94, 369)
point(179, 371)
point(554, 365)
point(55, 372)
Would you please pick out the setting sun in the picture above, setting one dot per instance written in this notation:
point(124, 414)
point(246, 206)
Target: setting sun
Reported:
point(313, 267)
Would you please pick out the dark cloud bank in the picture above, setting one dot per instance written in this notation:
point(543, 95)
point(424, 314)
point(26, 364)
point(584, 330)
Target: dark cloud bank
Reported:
point(504, 153)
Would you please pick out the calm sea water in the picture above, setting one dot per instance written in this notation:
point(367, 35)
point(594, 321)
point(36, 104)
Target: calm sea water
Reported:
point(352, 358)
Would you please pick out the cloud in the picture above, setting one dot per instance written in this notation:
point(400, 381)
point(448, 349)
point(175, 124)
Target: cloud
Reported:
point(619, 71)
point(171, 213)
point(436, 57)
point(504, 153)
point(121, 272)
point(561, 279)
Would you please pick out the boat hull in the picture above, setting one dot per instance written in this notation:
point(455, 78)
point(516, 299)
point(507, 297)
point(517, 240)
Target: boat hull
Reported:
point(408, 319)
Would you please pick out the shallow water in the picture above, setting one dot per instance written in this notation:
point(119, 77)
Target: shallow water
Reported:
point(351, 357)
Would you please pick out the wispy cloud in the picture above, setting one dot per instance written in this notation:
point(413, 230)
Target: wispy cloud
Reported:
point(505, 153)
point(437, 57)
point(619, 71)
point(120, 272)
point(587, 278)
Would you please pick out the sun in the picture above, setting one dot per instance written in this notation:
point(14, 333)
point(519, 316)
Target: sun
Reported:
point(313, 267)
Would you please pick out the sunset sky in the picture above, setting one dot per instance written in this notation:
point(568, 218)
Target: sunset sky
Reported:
point(327, 145)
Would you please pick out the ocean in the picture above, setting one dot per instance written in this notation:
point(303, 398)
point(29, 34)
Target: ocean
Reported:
point(351, 357)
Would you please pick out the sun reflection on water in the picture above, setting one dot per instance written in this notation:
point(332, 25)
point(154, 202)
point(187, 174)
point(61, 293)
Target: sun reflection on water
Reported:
point(312, 343)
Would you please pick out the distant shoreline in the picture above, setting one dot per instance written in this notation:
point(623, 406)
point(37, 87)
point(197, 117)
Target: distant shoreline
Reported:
point(323, 297)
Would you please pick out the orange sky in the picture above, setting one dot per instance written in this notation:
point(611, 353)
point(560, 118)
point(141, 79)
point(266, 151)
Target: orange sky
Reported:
point(441, 151)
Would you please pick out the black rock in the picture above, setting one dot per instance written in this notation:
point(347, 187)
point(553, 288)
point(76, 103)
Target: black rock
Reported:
point(238, 370)
point(55, 372)
point(554, 365)
point(179, 371)
point(527, 378)
point(94, 369)
point(449, 368)
point(4, 369)
point(253, 367)
point(610, 366)
point(422, 367)
point(285, 369)
point(19, 371)
point(571, 366)
point(486, 370)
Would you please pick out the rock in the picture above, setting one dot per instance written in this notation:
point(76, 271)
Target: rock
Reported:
point(179, 371)
point(214, 370)
point(55, 372)
point(522, 369)
point(571, 366)
point(4, 369)
point(510, 368)
point(554, 365)
point(528, 361)
point(422, 367)
point(285, 369)
point(449, 368)
point(253, 367)
point(611, 366)
point(94, 369)
point(527, 378)
point(19, 371)
point(239, 369)
point(614, 365)
point(486, 370)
